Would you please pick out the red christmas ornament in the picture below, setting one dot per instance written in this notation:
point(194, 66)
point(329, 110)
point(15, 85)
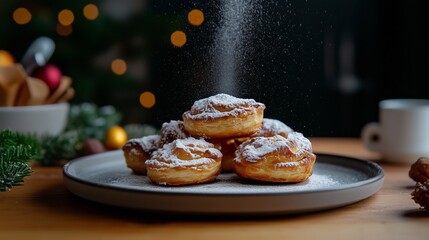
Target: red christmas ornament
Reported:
point(50, 74)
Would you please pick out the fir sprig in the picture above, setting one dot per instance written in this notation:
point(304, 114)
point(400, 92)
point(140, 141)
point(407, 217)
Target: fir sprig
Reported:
point(12, 174)
point(58, 147)
point(16, 150)
point(20, 147)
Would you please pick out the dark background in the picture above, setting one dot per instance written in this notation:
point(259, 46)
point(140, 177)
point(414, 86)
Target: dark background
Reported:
point(320, 66)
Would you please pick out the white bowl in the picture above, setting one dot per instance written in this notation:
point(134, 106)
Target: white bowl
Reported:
point(40, 120)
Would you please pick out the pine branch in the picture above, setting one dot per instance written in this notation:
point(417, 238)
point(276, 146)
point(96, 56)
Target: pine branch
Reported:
point(16, 150)
point(59, 147)
point(12, 174)
point(18, 147)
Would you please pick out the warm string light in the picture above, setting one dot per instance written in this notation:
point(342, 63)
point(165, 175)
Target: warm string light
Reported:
point(147, 99)
point(21, 16)
point(119, 66)
point(196, 17)
point(65, 20)
point(65, 17)
point(178, 38)
point(90, 11)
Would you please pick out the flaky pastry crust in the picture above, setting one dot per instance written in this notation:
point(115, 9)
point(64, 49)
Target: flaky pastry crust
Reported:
point(228, 148)
point(184, 161)
point(275, 159)
point(223, 116)
point(138, 150)
point(271, 127)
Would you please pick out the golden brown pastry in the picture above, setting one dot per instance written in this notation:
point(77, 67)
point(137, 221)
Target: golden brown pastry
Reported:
point(223, 116)
point(184, 161)
point(228, 148)
point(271, 127)
point(138, 150)
point(173, 130)
point(275, 159)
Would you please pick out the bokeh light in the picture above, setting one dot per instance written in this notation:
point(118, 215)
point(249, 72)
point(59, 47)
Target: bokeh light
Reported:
point(65, 17)
point(90, 11)
point(178, 38)
point(119, 66)
point(22, 16)
point(147, 99)
point(196, 17)
point(64, 30)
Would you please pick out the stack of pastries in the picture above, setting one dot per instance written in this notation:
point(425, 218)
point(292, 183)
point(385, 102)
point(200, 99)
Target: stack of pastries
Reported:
point(218, 134)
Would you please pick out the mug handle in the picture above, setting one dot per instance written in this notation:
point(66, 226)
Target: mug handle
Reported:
point(371, 136)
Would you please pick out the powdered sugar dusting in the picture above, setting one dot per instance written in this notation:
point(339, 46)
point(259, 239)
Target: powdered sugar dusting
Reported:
point(271, 127)
point(222, 105)
point(230, 183)
point(196, 149)
point(135, 152)
point(329, 173)
point(255, 149)
point(292, 164)
point(260, 147)
point(176, 162)
point(173, 130)
point(147, 143)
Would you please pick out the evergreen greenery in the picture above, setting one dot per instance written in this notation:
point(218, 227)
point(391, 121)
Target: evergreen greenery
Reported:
point(58, 147)
point(16, 150)
point(90, 121)
point(85, 121)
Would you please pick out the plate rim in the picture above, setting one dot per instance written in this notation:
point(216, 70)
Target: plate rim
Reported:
point(379, 175)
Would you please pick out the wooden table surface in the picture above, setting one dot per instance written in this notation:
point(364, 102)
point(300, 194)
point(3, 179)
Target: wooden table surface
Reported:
point(43, 209)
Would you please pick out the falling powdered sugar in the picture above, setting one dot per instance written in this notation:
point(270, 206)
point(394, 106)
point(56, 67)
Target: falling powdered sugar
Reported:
point(231, 38)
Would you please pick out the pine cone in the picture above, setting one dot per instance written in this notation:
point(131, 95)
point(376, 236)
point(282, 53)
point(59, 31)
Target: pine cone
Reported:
point(420, 195)
point(419, 171)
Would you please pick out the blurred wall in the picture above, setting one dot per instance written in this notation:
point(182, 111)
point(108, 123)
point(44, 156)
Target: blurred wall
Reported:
point(320, 66)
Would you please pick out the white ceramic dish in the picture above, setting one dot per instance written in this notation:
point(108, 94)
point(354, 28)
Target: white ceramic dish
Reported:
point(41, 119)
point(336, 181)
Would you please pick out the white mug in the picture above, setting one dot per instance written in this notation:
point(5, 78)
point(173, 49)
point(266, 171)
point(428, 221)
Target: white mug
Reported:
point(402, 133)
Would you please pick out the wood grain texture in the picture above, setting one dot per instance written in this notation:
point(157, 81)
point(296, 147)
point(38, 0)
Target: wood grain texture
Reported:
point(44, 209)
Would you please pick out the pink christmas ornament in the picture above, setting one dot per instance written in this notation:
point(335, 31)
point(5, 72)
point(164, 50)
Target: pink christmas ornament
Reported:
point(50, 74)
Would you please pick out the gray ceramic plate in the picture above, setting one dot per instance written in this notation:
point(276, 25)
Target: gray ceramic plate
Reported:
point(336, 181)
